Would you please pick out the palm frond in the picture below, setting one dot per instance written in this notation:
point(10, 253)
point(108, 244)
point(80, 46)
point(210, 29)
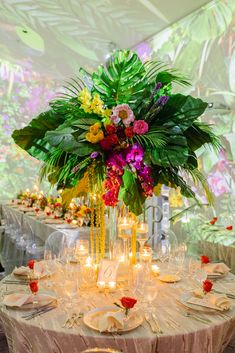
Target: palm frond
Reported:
point(199, 178)
point(158, 71)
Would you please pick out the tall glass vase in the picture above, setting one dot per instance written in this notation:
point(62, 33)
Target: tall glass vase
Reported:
point(113, 215)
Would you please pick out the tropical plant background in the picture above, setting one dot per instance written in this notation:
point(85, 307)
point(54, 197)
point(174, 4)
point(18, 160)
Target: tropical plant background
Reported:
point(201, 46)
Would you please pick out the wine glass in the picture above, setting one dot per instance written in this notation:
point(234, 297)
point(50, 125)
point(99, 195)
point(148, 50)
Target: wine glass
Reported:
point(151, 292)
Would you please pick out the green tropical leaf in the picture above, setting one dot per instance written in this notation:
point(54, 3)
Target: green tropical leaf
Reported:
point(30, 138)
point(199, 134)
point(159, 72)
point(131, 193)
point(182, 110)
point(121, 80)
point(175, 152)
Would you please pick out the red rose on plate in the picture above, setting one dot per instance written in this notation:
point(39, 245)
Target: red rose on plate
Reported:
point(33, 285)
point(207, 286)
point(229, 227)
point(31, 264)
point(205, 259)
point(128, 303)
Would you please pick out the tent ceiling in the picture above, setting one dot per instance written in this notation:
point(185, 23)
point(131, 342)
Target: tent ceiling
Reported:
point(58, 36)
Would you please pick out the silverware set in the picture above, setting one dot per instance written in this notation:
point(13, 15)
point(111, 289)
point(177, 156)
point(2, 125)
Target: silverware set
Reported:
point(153, 323)
point(40, 311)
point(73, 320)
point(18, 282)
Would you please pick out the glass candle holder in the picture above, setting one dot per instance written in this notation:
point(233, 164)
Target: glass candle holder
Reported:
point(82, 249)
point(125, 232)
point(146, 260)
point(142, 234)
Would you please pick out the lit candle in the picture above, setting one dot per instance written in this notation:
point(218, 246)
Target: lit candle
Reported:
point(142, 228)
point(101, 284)
point(122, 258)
point(155, 269)
point(82, 248)
point(146, 254)
point(88, 262)
point(112, 285)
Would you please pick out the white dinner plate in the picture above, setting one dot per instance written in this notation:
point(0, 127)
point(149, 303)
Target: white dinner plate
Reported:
point(91, 319)
point(30, 306)
point(184, 300)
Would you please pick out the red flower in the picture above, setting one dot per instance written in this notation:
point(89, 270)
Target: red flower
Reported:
point(214, 220)
point(110, 129)
point(108, 142)
point(57, 204)
point(129, 132)
point(31, 264)
point(207, 286)
point(205, 259)
point(128, 303)
point(229, 227)
point(113, 138)
point(69, 220)
point(33, 286)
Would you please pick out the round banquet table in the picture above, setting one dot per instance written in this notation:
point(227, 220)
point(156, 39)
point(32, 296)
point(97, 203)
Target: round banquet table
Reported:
point(181, 334)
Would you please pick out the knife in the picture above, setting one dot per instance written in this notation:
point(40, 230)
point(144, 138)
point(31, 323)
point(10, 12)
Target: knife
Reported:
point(151, 323)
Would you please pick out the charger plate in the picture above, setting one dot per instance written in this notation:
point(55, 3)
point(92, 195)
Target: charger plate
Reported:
point(91, 319)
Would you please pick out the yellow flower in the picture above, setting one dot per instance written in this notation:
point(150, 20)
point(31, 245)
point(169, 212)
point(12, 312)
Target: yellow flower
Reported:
point(89, 136)
point(107, 113)
point(97, 105)
point(176, 199)
point(157, 189)
point(84, 96)
point(95, 138)
point(95, 128)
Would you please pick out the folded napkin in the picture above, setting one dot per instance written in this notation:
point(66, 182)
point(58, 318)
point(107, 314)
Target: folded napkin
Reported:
point(111, 321)
point(214, 301)
point(40, 270)
point(217, 268)
point(20, 299)
point(21, 271)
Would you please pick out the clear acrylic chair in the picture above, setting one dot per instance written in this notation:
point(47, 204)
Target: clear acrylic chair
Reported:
point(101, 350)
point(56, 243)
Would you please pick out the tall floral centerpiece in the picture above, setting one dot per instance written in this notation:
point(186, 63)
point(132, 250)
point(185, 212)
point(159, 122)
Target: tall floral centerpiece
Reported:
point(119, 134)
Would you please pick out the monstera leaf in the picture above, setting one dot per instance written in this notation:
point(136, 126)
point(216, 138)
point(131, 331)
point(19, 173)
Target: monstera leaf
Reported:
point(121, 80)
point(175, 152)
point(33, 134)
point(182, 110)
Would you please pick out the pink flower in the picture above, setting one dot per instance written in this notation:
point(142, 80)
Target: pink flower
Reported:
point(122, 112)
point(140, 127)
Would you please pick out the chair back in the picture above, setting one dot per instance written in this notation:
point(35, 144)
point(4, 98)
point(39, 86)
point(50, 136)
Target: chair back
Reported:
point(56, 243)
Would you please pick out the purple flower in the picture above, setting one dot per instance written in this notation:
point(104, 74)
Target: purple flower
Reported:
point(135, 153)
point(156, 88)
point(94, 155)
point(162, 100)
